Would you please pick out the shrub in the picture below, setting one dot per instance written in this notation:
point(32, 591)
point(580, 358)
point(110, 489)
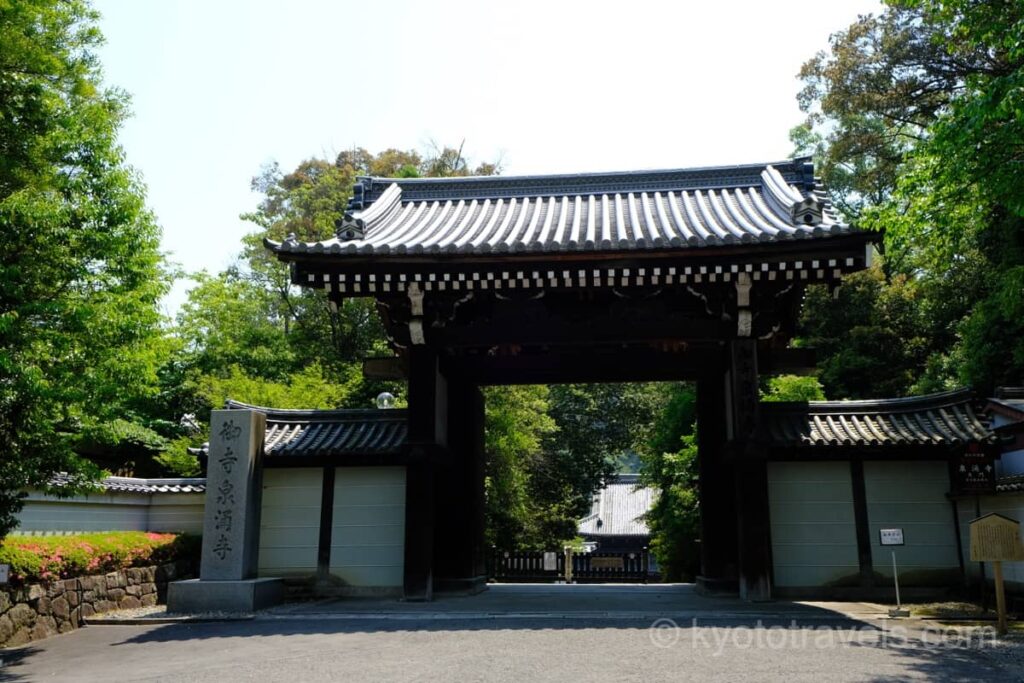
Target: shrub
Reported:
point(44, 559)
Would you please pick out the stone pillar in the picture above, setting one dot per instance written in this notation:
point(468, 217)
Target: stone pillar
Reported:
point(459, 496)
point(718, 543)
point(231, 524)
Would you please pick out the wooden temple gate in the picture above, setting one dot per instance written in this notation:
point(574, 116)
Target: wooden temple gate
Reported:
point(651, 276)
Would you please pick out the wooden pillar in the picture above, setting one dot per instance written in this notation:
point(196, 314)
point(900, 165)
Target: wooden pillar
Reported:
point(752, 509)
point(717, 488)
point(418, 584)
point(754, 530)
point(459, 495)
point(428, 432)
point(860, 518)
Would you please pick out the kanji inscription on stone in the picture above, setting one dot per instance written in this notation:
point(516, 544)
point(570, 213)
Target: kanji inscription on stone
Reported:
point(231, 522)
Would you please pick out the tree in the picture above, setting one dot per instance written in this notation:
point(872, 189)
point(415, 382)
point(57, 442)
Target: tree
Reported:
point(873, 337)
point(669, 464)
point(921, 109)
point(81, 271)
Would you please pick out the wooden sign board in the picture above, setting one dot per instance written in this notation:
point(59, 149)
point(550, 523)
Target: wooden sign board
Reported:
point(974, 470)
point(996, 538)
point(606, 563)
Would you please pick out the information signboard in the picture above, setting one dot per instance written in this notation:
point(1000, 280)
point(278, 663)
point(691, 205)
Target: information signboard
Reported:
point(890, 536)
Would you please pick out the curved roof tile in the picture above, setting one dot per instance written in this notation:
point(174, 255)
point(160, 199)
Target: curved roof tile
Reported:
point(941, 419)
point(648, 210)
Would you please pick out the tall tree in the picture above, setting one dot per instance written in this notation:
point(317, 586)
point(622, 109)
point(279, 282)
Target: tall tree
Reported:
point(81, 271)
point(916, 115)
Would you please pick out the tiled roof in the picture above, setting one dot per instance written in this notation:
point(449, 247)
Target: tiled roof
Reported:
point(331, 432)
point(618, 509)
point(133, 485)
point(647, 210)
point(939, 419)
point(1014, 484)
point(138, 485)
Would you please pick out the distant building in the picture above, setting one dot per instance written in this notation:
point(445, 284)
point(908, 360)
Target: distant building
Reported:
point(616, 520)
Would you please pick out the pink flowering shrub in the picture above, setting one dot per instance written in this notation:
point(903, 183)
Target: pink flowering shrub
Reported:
point(50, 558)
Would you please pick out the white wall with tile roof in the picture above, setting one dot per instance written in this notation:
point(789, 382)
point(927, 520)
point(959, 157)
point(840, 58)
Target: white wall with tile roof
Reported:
point(911, 496)
point(290, 521)
point(813, 532)
point(368, 533)
point(111, 511)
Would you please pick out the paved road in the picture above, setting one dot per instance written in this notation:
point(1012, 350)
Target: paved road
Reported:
point(325, 642)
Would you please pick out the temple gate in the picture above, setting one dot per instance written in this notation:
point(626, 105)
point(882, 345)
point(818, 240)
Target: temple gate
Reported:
point(693, 274)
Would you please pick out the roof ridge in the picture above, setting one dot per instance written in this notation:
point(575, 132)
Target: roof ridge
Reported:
point(319, 414)
point(368, 189)
point(961, 395)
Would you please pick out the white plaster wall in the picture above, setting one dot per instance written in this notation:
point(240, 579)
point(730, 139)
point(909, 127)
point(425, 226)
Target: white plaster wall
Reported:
point(290, 521)
point(814, 535)
point(44, 514)
point(179, 512)
point(368, 534)
point(912, 496)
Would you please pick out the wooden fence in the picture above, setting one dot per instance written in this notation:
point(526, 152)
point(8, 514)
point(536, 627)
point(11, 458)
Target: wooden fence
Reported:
point(596, 567)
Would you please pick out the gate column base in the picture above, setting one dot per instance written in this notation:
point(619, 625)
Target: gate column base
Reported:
point(709, 585)
point(461, 586)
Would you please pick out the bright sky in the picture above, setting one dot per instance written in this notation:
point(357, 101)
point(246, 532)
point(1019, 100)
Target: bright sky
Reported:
point(221, 87)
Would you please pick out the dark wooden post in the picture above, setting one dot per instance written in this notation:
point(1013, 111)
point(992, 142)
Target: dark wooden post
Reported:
point(752, 509)
point(717, 488)
point(428, 432)
point(459, 563)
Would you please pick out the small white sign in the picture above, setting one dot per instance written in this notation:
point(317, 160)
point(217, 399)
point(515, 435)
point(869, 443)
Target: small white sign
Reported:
point(550, 562)
point(5, 573)
point(891, 536)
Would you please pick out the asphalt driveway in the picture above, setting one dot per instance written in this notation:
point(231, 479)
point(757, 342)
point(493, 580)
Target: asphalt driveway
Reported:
point(525, 634)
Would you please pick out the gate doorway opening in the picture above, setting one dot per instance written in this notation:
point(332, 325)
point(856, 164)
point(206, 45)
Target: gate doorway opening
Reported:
point(565, 498)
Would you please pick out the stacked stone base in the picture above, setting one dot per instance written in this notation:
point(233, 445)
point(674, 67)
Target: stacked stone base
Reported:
point(38, 611)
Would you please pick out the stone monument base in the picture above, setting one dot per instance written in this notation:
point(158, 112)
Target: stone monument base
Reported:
point(247, 595)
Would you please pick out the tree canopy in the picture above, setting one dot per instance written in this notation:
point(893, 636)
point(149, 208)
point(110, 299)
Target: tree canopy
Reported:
point(916, 117)
point(80, 331)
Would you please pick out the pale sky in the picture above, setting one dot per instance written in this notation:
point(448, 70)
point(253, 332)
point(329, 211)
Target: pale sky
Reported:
point(221, 87)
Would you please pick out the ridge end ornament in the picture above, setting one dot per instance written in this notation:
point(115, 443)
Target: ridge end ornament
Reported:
point(807, 212)
point(349, 228)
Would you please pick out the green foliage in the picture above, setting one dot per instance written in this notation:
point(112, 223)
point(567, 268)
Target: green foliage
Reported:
point(669, 464)
point(81, 272)
point(177, 460)
point(792, 388)
point(874, 338)
point(36, 559)
point(305, 388)
point(916, 118)
point(517, 421)
point(674, 520)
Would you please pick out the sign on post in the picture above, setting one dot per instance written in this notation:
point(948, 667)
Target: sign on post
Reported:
point(890, 536)
point(893, 538)
point(996, 539)
point(5, 573)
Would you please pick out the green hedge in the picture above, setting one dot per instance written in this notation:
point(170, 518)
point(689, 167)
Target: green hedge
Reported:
point(36, 559)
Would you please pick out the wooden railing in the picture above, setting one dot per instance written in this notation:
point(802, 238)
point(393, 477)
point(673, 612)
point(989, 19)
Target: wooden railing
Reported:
point(596, 567)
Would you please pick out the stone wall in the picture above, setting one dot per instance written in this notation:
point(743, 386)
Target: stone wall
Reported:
point(41, 610)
